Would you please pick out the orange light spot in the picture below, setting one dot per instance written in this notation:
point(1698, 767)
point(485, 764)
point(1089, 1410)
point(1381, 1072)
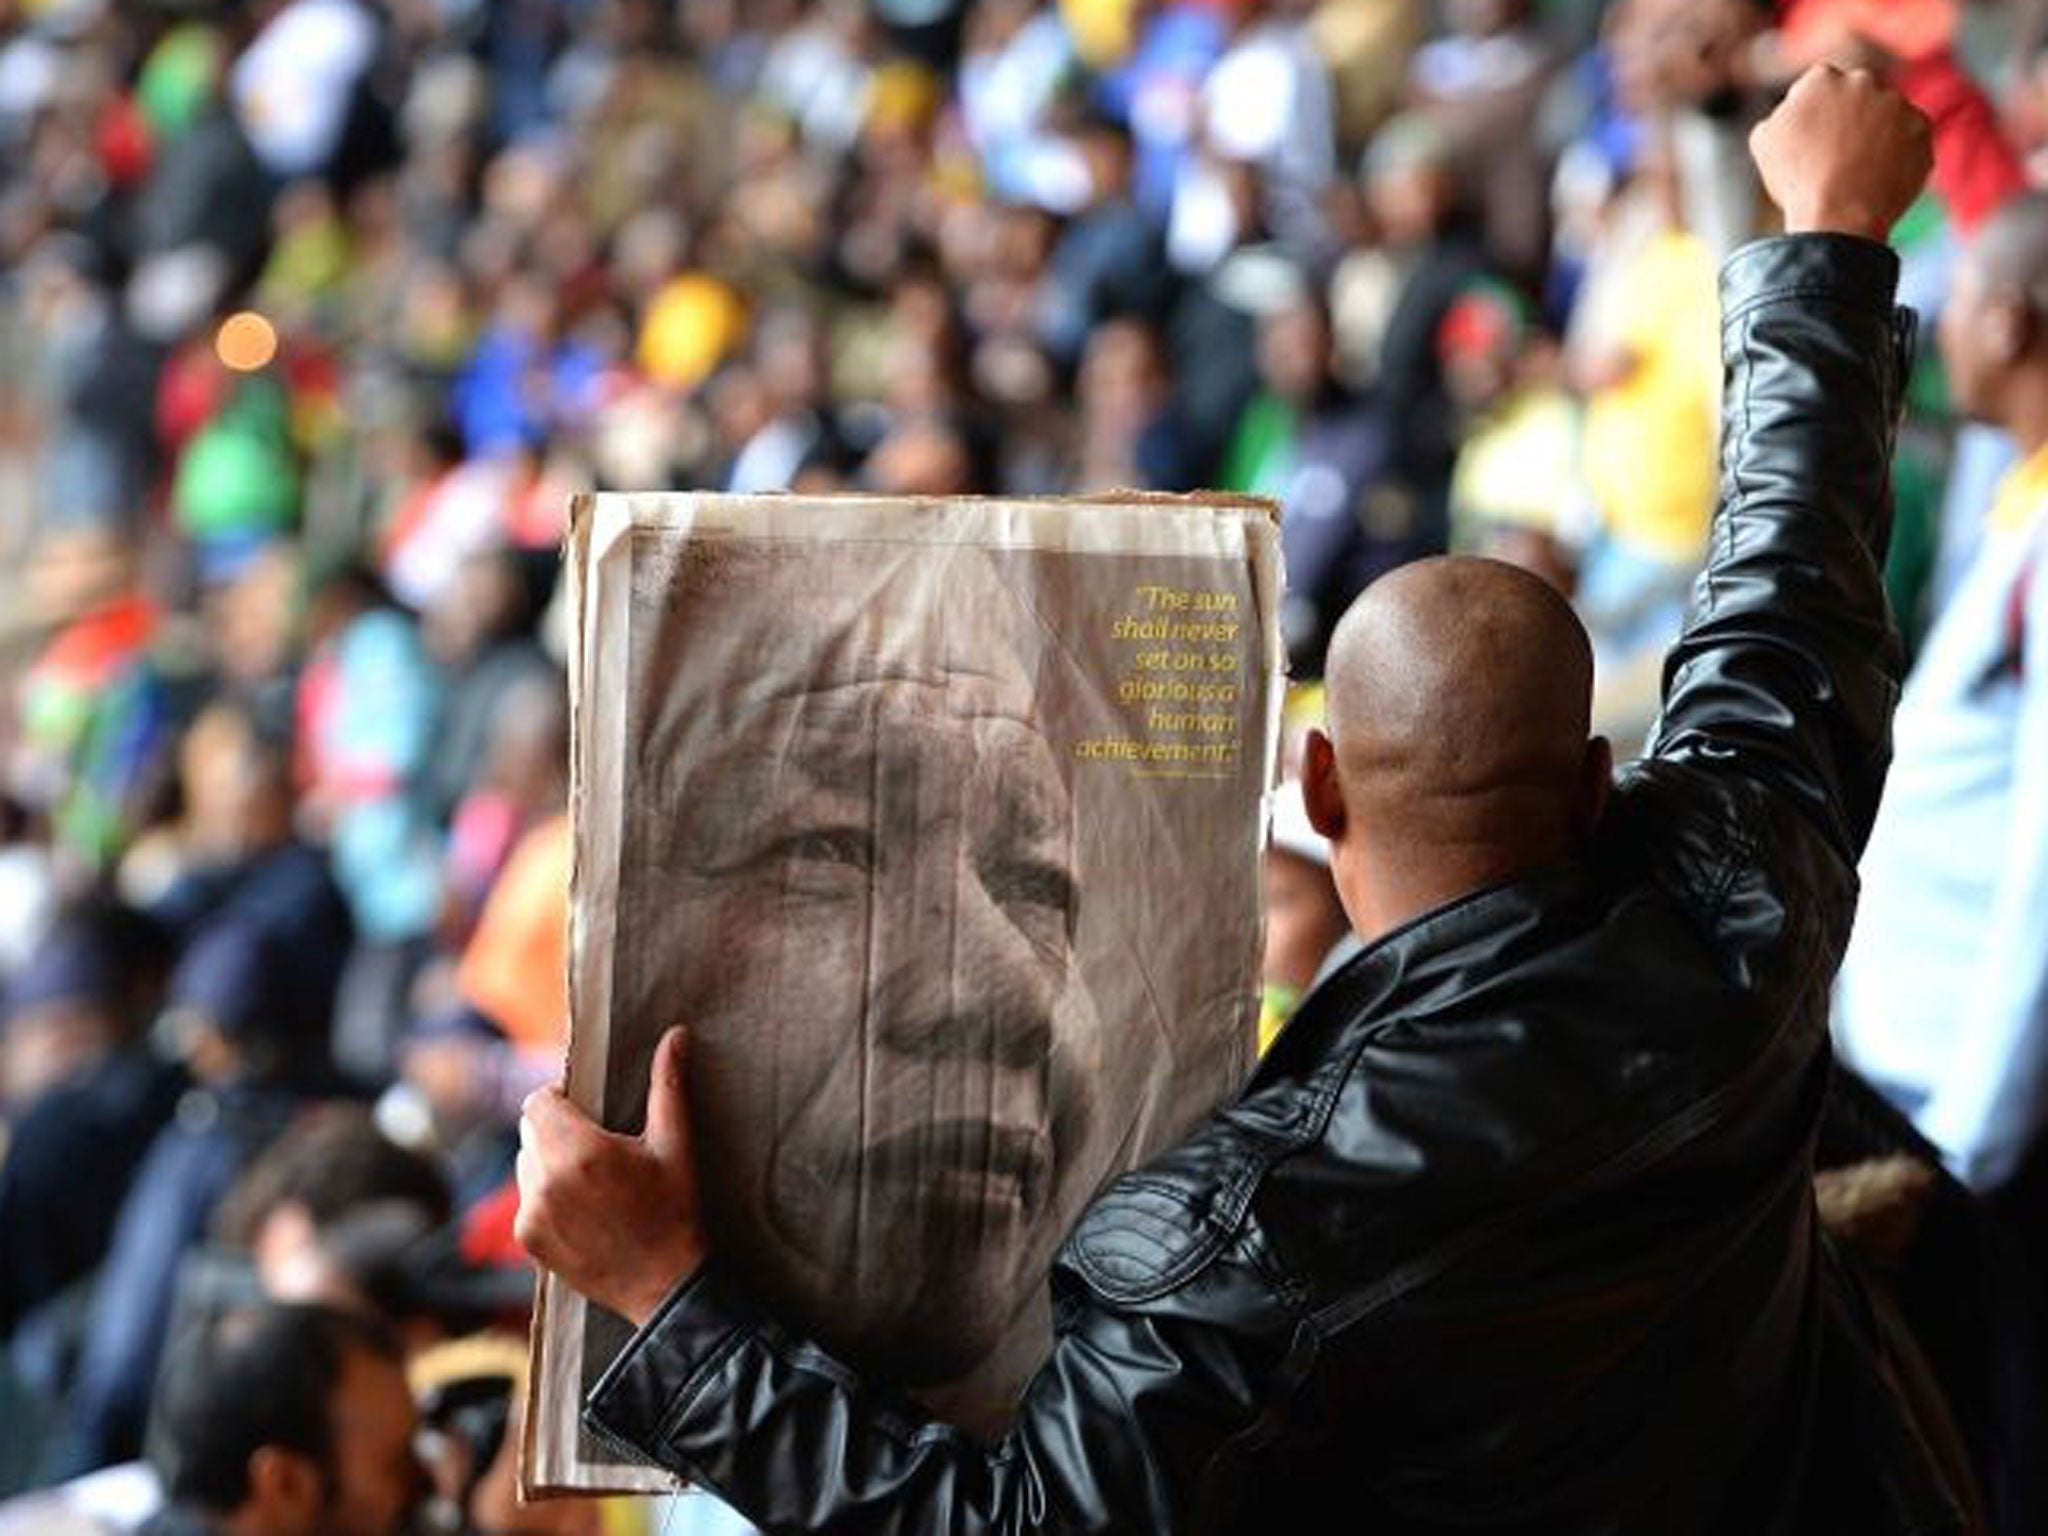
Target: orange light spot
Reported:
point(245, 342)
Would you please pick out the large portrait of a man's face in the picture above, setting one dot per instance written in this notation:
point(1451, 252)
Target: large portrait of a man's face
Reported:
point(936, 992)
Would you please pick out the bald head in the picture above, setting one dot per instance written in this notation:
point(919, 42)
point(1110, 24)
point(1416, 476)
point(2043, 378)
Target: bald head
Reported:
point(1459, 704)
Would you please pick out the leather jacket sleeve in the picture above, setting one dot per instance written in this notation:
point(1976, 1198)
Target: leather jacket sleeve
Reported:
point(1130, 1426)
point(1789, 665)
point(1167, 1373)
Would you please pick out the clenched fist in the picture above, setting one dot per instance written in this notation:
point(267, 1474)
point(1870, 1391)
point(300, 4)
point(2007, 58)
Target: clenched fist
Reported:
point(1843, 153)
point(615, 1216)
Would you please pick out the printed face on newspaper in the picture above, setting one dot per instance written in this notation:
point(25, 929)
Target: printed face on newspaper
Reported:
point(871, 897)
point(958, 900)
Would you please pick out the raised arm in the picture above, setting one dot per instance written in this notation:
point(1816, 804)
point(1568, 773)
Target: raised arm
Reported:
point(1789, 666)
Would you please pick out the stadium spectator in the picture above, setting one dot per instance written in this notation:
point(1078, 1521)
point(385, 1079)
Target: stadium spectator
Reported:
point(288, 1419)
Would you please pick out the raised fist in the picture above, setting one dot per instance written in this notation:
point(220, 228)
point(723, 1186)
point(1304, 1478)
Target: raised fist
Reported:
point(1843, 153)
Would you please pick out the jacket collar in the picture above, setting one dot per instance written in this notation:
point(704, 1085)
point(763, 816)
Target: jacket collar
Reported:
point(1426, 958)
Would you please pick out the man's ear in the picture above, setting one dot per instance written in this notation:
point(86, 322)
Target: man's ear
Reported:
point(1321, 795)
point(284, 1488)
point(1596, 778)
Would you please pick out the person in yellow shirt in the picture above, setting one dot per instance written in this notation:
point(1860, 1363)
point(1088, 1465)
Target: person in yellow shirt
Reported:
point(1519, 463)
point(1647, 358)
point(1650, 431)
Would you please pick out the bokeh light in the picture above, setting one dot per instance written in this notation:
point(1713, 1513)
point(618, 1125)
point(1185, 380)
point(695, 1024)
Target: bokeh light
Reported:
point(245, 342)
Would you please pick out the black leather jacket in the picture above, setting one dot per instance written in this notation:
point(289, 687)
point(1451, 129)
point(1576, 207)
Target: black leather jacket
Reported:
point(1513, 1228)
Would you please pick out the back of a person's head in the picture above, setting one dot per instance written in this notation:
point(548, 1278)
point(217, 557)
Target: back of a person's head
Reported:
point(1459, 701)
point(229, 1012)
point(262, 1377)
point(99, 950)
point(89, 985)
point(331, 1163)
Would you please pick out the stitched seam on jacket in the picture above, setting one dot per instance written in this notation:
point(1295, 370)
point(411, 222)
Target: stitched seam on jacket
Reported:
point(1828, 292)
point(628, 1451)
point(1290, 1290)
point(802, 1355)
point(699, 1382)
point(1225, 1219)
point(1738, 861)
point(1705, 882)
point(1741, 324)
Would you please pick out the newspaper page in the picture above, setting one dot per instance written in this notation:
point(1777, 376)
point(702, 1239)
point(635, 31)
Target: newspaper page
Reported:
point(938, 822)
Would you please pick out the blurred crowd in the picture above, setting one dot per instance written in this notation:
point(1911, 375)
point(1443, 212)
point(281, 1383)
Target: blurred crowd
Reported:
point(314, 314)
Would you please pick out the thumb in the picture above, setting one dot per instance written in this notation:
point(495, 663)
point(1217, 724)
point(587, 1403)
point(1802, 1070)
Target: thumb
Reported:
point(668, 1117)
